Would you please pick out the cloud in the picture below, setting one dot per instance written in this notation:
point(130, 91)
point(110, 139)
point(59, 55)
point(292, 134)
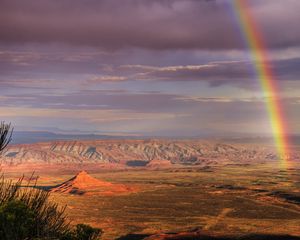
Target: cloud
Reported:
point(221, 99)
point(27, 83)
point(156, 102)
point(154, 113)
point(102, 99)
point(29, 58)
point(215, 74)
point(156, 65)
point(19, 58)
point(76, 76)
point(235, 73)
point(90, 115)
point(166, 24)
point(188, 118)
point(97, 79)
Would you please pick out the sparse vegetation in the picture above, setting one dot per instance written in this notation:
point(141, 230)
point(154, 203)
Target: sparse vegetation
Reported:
point(82, 232)
point(27, 213)
point(231, 199)
point(17, 220)
point(44, 218)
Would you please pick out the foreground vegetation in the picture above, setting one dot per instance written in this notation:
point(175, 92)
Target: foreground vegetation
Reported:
point(27, 213)
point(231, 200)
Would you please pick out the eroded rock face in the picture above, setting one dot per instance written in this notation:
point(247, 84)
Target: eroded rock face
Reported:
point(125, 152)
point(83, 183)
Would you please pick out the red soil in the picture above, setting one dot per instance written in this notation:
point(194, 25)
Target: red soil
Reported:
point(83, 183)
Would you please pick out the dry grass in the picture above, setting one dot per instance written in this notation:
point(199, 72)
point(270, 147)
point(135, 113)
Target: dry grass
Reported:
point(177, 200)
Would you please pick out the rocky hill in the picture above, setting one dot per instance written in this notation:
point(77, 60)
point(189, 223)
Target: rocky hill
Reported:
point(136, 153)
point(83, 183)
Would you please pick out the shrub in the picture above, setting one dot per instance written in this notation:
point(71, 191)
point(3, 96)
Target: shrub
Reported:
point(26, 212)
point(86, 232)
point(83, 232)
point(16, 219)
point(46, 218)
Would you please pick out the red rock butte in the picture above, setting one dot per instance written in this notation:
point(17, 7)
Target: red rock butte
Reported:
point(83, 183)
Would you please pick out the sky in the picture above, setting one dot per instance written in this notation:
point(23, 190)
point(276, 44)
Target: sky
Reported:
point(144, 67)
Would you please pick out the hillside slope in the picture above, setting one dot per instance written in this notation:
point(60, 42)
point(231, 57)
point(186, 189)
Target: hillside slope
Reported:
point(134, 153)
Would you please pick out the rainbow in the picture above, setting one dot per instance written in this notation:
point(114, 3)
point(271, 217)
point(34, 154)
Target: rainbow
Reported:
point(266, 77)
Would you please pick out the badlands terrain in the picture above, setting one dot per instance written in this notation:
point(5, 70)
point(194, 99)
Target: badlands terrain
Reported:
point(139, 153)
point(167, 189)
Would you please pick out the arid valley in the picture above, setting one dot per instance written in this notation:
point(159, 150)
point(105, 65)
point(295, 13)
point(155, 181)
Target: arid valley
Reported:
point(150, 120)
point(144, 189)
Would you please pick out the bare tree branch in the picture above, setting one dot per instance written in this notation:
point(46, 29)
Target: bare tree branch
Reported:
point(5, 135)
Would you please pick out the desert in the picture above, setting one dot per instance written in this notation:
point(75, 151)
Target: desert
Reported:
point(220, 189)
point(149, 120)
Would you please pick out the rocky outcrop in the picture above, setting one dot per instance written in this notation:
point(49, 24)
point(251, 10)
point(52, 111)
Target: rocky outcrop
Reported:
point(184, 152)
point(83, 183)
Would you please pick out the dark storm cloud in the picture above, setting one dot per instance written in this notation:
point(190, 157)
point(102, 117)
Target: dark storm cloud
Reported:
point(152, 24)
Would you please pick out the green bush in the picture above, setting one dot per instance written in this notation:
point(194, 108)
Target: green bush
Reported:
point(86, 232)
point(83, 232)
point(46, 218)
point(26, 213)
point(16, 220)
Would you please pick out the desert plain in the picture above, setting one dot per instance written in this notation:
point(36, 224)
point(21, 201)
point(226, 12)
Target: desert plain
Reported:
point(137, 188)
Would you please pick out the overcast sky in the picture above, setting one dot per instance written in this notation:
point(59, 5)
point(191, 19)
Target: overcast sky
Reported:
point(150, 67)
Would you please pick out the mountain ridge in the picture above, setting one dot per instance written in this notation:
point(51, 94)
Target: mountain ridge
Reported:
point(137, 153)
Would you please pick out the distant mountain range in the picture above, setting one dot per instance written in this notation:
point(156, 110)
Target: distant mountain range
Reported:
point(138, 153)
point(23, 137)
